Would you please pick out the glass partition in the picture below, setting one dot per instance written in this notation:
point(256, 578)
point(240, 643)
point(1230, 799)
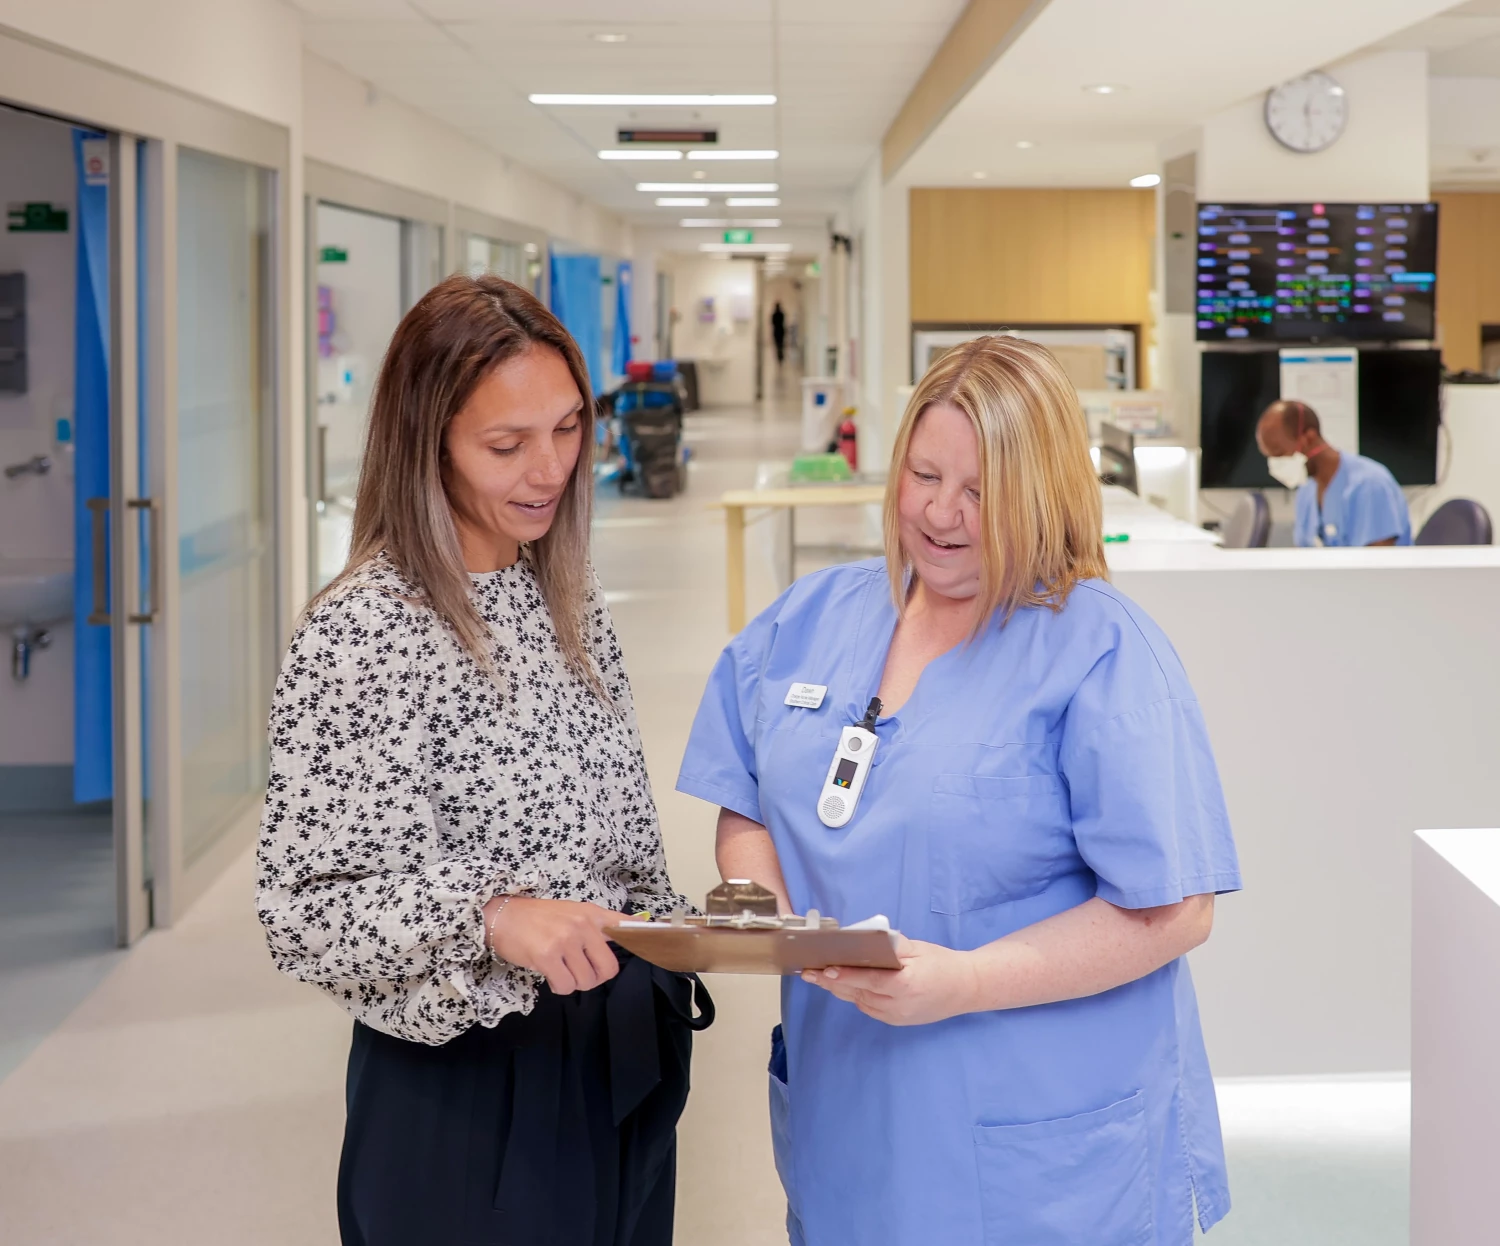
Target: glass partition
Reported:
point(368, 266)
point(225, 483)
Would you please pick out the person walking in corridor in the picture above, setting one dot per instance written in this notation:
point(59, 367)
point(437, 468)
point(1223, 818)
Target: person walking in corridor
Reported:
point(778, 332)
point(458, 806)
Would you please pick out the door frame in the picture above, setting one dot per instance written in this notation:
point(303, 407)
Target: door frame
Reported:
point(156, 881)
point(328, 184)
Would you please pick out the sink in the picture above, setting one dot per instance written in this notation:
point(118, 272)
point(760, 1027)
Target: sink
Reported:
point(35, 592)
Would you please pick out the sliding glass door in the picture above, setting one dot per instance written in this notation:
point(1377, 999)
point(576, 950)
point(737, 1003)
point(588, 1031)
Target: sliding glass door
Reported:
point(225, 538)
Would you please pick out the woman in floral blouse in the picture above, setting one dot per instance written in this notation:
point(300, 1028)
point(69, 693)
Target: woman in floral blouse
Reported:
point(458, 806)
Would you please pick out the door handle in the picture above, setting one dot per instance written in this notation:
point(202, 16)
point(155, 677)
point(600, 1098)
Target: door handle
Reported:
point(99, 513)
point(322, 470)
point(151, 606)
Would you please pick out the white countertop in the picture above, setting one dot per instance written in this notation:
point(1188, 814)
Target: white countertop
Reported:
point(1473, 851)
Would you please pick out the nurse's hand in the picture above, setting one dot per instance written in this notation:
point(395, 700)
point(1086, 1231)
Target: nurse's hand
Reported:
point(562, 940)
point(933, 983)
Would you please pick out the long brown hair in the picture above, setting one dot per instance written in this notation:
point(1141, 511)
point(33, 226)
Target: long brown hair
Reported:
point(1040, 510)
point(458, 332)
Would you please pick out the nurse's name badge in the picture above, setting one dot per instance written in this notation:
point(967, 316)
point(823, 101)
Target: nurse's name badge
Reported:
point(806, 696)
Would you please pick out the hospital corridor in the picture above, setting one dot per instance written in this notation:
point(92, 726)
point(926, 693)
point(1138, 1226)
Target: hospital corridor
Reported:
point(840, 624)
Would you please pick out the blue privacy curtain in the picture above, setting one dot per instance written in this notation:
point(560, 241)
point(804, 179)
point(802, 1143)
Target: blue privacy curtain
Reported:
point(92, 684)
point(621, 353)
point(575, 301)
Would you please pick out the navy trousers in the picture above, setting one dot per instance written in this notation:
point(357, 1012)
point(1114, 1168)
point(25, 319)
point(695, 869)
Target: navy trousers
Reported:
point(553, 1129)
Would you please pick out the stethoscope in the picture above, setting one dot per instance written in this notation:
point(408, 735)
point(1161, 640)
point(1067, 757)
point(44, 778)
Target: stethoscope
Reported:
point(849, 769)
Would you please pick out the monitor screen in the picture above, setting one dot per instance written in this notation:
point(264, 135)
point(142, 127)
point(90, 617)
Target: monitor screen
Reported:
point(1237, 387)
point(1400, 408)
point(1305, 272)
point(1399, 413)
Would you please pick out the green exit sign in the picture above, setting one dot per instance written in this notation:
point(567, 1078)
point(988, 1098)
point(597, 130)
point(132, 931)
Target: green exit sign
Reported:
point(333, 255)
point(739, 236)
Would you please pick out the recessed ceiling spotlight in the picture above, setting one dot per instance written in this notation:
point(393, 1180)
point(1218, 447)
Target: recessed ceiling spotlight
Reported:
point(756, 201)
point(1146, 180)
point(978, 175)
point(1024, 143)
point(683, 201)
point(609, 36)
point(700, 174)
point(1105, 88)
point(640, 153)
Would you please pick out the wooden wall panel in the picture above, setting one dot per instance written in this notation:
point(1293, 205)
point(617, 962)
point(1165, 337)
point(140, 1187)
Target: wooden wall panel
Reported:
point(1468, 273)
point(1032, 256)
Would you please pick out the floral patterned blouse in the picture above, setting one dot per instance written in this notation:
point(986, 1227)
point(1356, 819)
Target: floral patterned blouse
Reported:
point(408, 787)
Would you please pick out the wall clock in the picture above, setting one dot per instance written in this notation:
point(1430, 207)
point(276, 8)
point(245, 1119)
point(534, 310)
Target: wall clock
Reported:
point(1308, 113)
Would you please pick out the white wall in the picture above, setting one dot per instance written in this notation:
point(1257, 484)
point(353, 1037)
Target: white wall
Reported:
point(36, 512)
point(347, 125)
point(1455, 1075)
point(1383, 153)
point(1349, 696)
point(725, 349)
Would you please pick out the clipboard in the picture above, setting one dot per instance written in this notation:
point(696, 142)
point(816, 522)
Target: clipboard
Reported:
point(742, 933)
point(726, 949)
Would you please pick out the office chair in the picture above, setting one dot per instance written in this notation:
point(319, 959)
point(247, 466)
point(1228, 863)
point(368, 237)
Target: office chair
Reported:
point(1249, 527)
point(1458, 521)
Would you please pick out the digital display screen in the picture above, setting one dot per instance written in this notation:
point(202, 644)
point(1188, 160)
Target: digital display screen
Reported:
point(1301, 272)
point(843, 774)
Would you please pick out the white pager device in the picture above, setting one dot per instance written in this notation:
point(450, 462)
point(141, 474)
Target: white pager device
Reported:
point(847, 773)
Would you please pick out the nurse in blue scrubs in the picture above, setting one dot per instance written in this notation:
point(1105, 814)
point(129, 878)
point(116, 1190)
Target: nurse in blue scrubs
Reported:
point(1043, 821)
point(1342, 498)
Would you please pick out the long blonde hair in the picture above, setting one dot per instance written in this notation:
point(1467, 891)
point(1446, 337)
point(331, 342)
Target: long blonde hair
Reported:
point(1040, 511)
point(458, 332)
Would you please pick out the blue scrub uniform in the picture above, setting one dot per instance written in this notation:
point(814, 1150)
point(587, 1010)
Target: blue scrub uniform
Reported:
point(1059, 757)
point(1362, 504)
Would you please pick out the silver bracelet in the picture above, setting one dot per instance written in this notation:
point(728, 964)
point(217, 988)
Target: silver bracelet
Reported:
point(494, 917)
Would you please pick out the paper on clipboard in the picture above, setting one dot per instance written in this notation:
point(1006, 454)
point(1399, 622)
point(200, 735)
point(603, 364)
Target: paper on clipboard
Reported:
point(748, 949)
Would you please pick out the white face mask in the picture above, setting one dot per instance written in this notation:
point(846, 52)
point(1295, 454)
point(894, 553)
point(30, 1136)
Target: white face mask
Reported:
point(1289, 470)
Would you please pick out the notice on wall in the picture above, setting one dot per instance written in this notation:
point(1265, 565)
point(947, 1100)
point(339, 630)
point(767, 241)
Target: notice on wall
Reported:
point(1328, 382)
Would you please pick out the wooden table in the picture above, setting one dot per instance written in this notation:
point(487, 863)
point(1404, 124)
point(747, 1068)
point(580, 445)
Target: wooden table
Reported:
point(737, 501)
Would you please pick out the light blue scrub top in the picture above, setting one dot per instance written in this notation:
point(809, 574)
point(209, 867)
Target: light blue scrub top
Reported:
point(1059, 757)
point(1363, 504)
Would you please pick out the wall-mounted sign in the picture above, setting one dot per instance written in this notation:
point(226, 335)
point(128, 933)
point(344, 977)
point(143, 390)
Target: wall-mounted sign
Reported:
point(36, 218)
point(96, 162)
point(333, 255)
point(739, 236)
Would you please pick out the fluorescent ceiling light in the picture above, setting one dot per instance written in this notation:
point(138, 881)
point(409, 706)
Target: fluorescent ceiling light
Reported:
point(667, 188)
point(733, 202)
point(709, 222)
point(716, 154)
point(745, 248)
point(642, 153)
point(683, 201)
point(652, 101)
point(605, 36)
point(1145, 180)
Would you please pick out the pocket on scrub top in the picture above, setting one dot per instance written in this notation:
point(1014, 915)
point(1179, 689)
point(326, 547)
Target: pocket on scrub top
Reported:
point(781, 1116)
point(1078, 1181)
point(990, 840)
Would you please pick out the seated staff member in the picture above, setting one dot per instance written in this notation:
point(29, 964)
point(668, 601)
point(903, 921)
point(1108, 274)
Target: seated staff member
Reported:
point(458, 805)
point(1041, 817)
point(1342, 498)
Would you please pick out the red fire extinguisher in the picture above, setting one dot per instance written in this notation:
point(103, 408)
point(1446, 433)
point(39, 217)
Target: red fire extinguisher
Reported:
point(848, 438)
